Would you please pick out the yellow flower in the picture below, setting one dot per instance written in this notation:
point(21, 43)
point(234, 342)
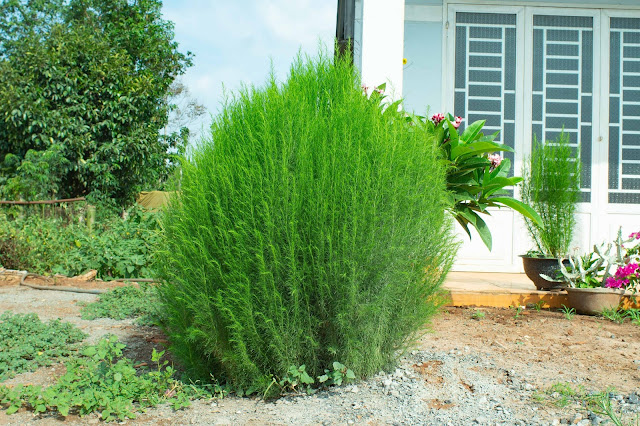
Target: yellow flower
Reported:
point(404, 61)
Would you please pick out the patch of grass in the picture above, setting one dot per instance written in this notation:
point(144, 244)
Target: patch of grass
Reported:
point(27, 343)
point(104, 381)
point(124, 302)
point(568, 312)
point(613, 315)
point(634, 315)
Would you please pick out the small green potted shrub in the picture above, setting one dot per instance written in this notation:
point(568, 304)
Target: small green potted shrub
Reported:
point(551, 186)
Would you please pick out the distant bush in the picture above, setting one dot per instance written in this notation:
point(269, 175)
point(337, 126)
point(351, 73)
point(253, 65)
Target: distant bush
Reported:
point(113, 246)
point(310, 229)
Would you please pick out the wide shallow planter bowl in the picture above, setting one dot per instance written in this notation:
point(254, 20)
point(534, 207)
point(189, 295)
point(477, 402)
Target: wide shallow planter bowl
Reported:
point(534, 266)
point(592, 301)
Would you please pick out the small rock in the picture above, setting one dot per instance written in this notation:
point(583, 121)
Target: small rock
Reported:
point(613, 336)
point(394, 393)
point(350, 422)
point(529, 387)
point(633, 398)
point(355, 389)
point(213, 405)
point(555, 422)
point(584, 422)
point(481, 420)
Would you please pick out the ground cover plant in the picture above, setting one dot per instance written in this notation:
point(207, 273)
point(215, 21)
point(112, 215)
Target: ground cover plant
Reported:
point(102, 380)
point(27, 343)
point(310, 229)
point(124, 302)
point(115, 247)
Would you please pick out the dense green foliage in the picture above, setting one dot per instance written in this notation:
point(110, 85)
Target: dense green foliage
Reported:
point(551, 186)
point(124, 302)
point(310, 229)
point(27, 343)
point(84, 94)
point(113, 246)
point(102, 381)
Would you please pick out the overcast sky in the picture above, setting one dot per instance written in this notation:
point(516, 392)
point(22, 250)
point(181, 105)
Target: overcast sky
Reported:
point(234, 40)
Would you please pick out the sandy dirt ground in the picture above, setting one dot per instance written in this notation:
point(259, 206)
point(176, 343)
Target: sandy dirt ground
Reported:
point(468, 370)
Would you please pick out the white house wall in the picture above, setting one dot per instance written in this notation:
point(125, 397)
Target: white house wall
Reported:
point(427, 84)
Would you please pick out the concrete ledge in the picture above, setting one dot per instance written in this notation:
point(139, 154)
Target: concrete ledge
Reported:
point(503, 290)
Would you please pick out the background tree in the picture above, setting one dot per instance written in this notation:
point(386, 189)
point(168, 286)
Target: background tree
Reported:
point(86, 81)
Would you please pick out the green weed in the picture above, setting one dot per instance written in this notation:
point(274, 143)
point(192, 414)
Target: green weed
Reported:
point(634, 315)
point(478, 315)
point(613, 315)
point(539, 305)
point(568, 313)
point(27, 343)
point(517, 311)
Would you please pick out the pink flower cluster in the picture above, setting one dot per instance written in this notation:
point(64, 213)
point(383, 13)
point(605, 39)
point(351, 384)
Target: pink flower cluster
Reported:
point(625, 276)
point(635, 235)
point(495, 159)
point(376, 89)
point(437, 118)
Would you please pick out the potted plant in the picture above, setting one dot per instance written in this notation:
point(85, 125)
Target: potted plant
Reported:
point(591, 287)
point(551, 186)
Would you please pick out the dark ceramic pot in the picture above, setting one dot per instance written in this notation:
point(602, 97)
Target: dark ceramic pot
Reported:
point(534, 266)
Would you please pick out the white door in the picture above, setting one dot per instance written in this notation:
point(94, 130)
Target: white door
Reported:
point(536, 71)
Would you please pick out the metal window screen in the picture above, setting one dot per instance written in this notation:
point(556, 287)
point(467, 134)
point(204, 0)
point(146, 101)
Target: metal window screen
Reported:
point(624, 111)
point(562, 77)
point(485, 73)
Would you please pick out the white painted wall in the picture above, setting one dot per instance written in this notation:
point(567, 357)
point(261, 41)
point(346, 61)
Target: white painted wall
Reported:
point(380, 43)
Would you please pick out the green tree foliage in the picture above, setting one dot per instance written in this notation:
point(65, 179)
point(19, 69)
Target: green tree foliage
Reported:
point(309, 229)
point(87, 81)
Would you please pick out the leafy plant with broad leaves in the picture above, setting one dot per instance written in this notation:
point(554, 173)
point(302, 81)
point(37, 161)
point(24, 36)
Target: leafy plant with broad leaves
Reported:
point(473, 179)
point(102, 381)
point(27, 343)
point(84, 95)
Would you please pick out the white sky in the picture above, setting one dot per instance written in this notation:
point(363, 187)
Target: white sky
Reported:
point(234, 41)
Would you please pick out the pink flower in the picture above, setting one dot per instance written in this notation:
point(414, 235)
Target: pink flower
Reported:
point(378, 90)
point(625, 276)
point(495, 159)
point(437, 118)
point(457, 123)
point(635, 235)
point(365, 88)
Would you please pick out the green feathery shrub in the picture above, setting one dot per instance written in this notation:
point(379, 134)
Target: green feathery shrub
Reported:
point(551, 186)
point(309, 229)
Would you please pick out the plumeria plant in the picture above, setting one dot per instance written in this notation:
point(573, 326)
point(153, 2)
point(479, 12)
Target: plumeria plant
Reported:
point(477, 175)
